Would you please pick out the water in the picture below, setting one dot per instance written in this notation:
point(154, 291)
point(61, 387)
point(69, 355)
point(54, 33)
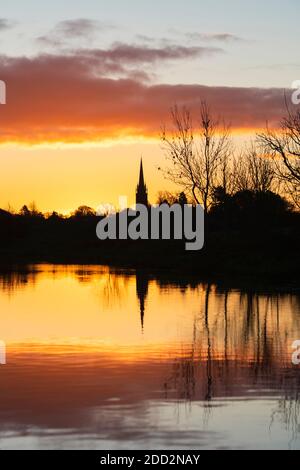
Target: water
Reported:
point(99, 359)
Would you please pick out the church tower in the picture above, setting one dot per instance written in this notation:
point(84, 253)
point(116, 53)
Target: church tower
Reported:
point(141, 190)
point(142, 282)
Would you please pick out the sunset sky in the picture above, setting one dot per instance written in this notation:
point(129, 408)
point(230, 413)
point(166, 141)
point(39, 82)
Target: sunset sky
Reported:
point(90, 83)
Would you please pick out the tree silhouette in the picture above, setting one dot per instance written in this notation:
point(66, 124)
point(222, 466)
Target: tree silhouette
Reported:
point(284, 146)
point(196, 156)
point(84, 211)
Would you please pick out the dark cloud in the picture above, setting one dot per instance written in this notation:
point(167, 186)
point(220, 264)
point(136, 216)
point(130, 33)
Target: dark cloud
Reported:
point(72, 29)
point(220, 37)
point(208, 37)
point(79, 27)
point(144, 38)
point(6, 24)
point(124, 60)
point(195, 37)
point(136, 54)
point(61, 98)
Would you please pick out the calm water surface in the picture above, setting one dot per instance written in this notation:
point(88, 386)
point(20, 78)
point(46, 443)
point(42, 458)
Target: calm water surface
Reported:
point(99, 359)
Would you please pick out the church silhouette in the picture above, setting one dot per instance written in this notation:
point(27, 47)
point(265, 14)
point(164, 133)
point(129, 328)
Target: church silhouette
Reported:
point(141, 277)
point(142, 281)
point(141, 189)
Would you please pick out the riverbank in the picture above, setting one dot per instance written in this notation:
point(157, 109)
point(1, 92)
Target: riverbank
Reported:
point(269, 258)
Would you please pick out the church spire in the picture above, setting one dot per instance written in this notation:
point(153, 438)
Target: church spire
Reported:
point(142, 282)
point(141, 190)
point(141, 180)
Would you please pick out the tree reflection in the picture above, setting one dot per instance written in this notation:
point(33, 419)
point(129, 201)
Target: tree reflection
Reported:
point(240, 348)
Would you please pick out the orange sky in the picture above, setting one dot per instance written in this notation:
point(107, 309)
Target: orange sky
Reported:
point(108, 123)
point(79, 114)
point(62, 177)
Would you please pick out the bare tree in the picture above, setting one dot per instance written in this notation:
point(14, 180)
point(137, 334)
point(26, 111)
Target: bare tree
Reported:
point(225, 173)
point(254, 171)
point(84, 211)
point(196, 156)
point(166, 197)
point(241, 173)
point(284, 146)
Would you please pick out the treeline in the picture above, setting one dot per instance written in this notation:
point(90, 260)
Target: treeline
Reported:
point(251, 201)
point(202, 159)
point(248, 234)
